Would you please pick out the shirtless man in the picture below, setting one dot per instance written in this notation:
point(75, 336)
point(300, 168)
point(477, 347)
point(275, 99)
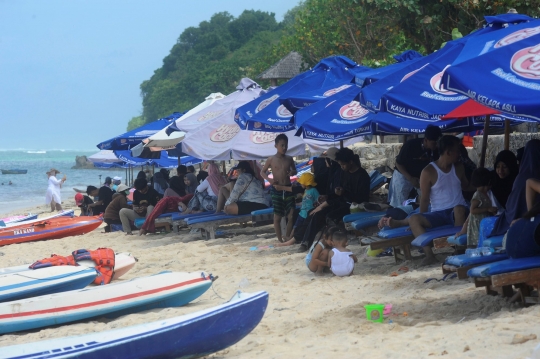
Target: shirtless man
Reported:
point(441, 184)
point(282, 167)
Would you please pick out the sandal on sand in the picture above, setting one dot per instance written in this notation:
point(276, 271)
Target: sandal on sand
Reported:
point(443, 279)
point(388, 252)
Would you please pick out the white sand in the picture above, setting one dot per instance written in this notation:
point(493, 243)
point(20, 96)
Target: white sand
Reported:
point(310, 316)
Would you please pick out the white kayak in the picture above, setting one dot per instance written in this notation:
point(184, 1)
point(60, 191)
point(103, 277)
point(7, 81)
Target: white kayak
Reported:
point(166, 289)
point(123, 263)
point(43, 281)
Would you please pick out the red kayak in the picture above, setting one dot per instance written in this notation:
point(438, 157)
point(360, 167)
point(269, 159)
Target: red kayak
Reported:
point(53, 228)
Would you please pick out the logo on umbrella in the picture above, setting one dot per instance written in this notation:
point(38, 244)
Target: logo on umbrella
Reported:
point(412, 73)
point(336, 90)
point(260, 137)
point(210, 115)
point(352, 111)
point(437, 86)
point(265, 103)
point(224, 133)
point(517, 36)
point(283, 112)
point(526, 62)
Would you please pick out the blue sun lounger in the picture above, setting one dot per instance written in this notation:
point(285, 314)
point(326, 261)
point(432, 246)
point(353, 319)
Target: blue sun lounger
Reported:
point(209, 224)
point(500, 277)
point(173, 219)
point(461, 263)
point(360, 220)
point(401, 238)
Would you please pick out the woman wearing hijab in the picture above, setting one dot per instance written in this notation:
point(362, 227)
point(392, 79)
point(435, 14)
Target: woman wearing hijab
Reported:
point(516, 205)
point(190, 181)
point(504, 175)
point(176, 187)
point(205, 197)
point(160, 183)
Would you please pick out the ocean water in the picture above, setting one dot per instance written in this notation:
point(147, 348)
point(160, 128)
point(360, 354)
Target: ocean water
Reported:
point(29, 189)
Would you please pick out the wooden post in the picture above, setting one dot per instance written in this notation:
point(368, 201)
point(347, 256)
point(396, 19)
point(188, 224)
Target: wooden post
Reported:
point(506, 134)
point(382, 138)
point(484, 141)
point(341, 144)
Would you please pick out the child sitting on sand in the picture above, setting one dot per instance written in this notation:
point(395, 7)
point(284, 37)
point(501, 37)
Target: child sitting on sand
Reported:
point(317, 257)
point(309, 199)
point(340, 260)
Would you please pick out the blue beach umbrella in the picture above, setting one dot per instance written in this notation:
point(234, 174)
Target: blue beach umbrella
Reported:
point(136, 136)
point(267, 114)
point(370, 76)
point(507, 78)
point(336, 118)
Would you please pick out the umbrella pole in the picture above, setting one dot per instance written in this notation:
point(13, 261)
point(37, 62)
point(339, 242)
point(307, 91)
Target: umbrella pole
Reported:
point(224, 168)
point(341, 144)
point(179, 160)
point(484, 141)
point(506, 134)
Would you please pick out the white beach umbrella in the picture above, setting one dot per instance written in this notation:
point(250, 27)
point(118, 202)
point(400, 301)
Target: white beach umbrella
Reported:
point(104, 156)
point(161, 141)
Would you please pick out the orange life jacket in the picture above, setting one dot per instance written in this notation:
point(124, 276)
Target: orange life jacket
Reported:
point(104, 259)
point(55, 260)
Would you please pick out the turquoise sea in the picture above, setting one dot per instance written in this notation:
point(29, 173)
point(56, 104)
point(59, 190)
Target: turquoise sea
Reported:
point(28, 190)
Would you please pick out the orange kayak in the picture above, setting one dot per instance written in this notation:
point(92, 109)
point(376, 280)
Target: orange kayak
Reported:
point(53, 228)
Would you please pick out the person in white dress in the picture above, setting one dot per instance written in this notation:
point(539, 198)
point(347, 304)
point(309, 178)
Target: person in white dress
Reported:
point(53, 197)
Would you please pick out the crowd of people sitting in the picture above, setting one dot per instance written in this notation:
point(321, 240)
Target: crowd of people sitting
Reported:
point(434, 184)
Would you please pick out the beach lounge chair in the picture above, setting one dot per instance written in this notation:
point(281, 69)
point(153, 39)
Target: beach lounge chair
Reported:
point(461, 263)
point(174, 220)
point(502, 276)
point(209, 224)
point(360, 221)
point(400, 239)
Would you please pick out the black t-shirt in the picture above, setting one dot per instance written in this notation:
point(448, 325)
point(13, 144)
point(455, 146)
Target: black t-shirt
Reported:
point(356, 186)
point(414, 157)
point(105, 195)
point(151, 196)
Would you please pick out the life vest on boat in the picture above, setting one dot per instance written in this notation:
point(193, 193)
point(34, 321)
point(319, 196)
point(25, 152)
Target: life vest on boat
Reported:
point(55, 260)
point(104, 259)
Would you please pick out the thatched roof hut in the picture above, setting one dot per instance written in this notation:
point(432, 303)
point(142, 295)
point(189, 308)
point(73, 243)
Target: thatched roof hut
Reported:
point(286, 68)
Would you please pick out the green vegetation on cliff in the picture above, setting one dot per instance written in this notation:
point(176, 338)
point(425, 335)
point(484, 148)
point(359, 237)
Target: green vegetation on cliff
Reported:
point(214, 56)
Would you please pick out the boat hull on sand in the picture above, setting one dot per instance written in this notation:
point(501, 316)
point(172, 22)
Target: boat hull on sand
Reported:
point(53, 228)
point(123, 262)
point(187, 336)
point(44, 281)
point(166, 289)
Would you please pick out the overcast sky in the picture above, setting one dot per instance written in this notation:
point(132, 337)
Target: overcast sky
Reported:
point(70, 70)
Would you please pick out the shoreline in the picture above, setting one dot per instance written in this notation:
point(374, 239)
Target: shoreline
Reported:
point(307, 316)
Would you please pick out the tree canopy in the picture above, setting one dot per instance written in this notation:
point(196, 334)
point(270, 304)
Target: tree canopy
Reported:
point(214, 56)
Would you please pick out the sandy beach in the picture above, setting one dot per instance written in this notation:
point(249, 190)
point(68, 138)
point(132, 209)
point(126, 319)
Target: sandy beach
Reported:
point(309, 316)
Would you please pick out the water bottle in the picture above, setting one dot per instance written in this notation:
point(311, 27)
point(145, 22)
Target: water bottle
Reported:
point(472, 252)
point(486, 251)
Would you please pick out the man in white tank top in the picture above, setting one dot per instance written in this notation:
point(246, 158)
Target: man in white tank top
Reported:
point(441, 184)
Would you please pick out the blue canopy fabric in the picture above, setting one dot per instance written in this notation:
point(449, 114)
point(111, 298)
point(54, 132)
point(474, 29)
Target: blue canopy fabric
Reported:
point(479, 45)
point(267, 114)
point(134, 137)
point(368, 77)
point(421, 96)
point(296, 101)
point(165, 161)
point(506, 79)
point(335, 118)
point(407, 55)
